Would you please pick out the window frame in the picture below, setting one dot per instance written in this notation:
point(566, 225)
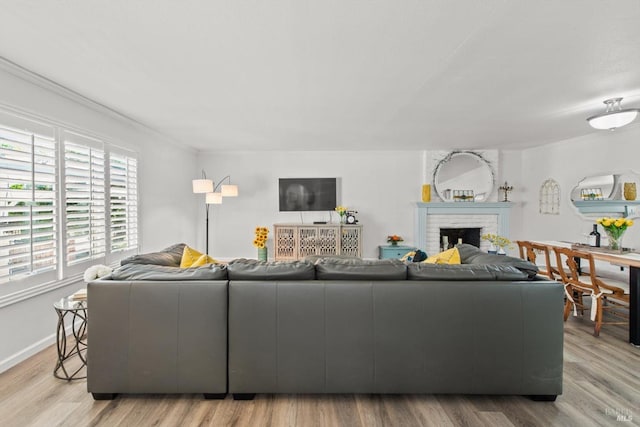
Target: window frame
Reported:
point(63, 272)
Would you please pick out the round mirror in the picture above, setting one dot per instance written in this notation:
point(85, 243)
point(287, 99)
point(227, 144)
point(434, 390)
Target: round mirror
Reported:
point(463, 176)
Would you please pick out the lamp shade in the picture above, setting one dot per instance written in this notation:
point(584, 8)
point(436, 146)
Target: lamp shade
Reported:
point(229, 190)
point(214, 198)
point(202, 185)
point(613, 120)
point(614, 116)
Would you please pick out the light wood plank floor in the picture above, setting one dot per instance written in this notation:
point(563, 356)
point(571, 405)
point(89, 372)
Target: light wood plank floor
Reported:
point(601, 384)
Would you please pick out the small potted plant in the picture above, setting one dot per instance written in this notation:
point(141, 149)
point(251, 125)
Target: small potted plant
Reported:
point(496, 243)
point(394, 239)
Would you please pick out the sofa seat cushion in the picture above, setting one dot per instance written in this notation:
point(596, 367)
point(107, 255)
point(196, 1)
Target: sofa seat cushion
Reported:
point(251, 269)
point(162, 273)
point(466, 272)
point(470, 254)
point(169, 257)
point(359, 269)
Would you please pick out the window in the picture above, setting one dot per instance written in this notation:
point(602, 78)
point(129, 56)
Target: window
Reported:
point(28, 219)
point(85, 196)
point(67, 201)
point(123, 172)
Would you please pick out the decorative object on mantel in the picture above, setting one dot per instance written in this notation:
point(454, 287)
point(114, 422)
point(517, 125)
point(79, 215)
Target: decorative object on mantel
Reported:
point(591, 194)
point(426, 193)
point(394, 239)
point(212, 197)
point(629, 190)
point(342, 211)
point(260, 242)
point(614, 116)
point(506, 188)
point(615, 229)
point(496, 243)
point(463, 196)
point(550, 197)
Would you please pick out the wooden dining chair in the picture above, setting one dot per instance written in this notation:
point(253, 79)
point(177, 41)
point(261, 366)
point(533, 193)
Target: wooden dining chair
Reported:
point(529, 251)
point(606, 296)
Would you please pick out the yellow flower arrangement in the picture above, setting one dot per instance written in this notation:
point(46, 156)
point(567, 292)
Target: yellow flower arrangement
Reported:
point(615, 227)
point(260, 241)
point(499, 241)
point(342, 210)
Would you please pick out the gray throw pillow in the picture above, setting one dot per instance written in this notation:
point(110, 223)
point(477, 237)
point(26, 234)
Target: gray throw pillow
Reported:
point(169, 257)
point(470, 254)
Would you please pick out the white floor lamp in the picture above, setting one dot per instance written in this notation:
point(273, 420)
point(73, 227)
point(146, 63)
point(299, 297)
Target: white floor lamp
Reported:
point(212, 196)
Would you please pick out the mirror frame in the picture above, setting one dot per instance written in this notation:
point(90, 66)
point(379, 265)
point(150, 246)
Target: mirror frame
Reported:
point(614, 205)
point(448, 158)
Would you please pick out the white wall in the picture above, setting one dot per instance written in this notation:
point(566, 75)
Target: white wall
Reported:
point(167, 207)
point(382, 186)
point(568, 162)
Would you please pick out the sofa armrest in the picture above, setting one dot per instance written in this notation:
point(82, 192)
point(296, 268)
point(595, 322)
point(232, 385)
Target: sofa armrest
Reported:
point(157, 337)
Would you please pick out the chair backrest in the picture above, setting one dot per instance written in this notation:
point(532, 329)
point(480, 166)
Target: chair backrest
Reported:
point(529, 250)
point(571, 275)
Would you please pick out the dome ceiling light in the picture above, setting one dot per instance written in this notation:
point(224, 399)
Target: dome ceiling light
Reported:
point(614, 116)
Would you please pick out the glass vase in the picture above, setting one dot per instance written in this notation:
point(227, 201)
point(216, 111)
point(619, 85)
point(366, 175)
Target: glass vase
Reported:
point(262, 254)
point(615, 240)
point(492, 249)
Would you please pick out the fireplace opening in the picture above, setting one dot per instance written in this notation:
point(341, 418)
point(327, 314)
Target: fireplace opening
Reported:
point(449, 237)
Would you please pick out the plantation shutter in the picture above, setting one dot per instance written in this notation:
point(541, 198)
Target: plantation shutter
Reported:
point(84, 172)
point(123, 178)
point(28, 217)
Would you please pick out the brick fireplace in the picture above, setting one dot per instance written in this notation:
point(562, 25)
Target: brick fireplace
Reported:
point(431, 217)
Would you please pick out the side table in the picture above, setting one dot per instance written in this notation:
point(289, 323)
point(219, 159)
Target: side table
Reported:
point(393, 251)
point(76, 343)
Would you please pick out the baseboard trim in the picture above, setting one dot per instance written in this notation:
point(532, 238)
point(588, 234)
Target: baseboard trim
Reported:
point(26, 353)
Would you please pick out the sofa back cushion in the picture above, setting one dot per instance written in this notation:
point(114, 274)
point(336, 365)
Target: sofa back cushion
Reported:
point(470, 254)
point(251, 269)
point(169, 257)
point(162, 273)
point(467, 272)
point(359, 269)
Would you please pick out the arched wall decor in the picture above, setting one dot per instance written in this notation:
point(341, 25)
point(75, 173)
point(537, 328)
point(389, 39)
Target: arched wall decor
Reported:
point(550, 197)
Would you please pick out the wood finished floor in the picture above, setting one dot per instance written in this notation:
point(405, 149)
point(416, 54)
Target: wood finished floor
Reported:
point(601, 382)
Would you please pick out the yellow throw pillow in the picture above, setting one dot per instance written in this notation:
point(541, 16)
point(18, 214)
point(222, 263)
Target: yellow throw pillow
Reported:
point(193, 258)
point(204, 259)
point(451, 256)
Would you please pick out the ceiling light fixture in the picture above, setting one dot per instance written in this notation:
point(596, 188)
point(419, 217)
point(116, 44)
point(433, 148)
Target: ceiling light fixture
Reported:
point(614, 116)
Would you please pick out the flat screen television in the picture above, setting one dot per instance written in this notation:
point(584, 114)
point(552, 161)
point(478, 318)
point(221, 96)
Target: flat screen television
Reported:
point(307, 194)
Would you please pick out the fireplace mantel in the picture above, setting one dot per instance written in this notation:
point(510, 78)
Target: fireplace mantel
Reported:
point(499, 211)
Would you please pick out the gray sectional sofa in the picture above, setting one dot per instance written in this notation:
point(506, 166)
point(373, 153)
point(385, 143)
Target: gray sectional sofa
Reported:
point(487, 326)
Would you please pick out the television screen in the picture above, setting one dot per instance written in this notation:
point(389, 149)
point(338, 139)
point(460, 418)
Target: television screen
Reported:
point(307, 194)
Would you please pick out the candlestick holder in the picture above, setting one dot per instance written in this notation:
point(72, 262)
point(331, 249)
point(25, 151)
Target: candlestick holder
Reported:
point(506, 188)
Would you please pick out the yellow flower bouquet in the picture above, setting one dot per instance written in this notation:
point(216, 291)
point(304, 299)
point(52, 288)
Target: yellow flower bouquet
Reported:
point(260, 241)
point(498, 243)
point(615, 228)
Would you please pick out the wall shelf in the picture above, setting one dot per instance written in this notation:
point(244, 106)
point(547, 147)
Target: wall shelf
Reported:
point(624, 208)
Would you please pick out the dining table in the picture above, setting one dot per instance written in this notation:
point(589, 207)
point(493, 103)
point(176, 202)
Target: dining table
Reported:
point(627, 259)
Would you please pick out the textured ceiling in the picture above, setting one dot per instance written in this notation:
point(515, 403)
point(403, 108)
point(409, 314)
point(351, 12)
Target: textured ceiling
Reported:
point(338, 74)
